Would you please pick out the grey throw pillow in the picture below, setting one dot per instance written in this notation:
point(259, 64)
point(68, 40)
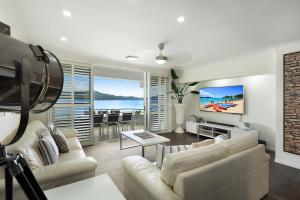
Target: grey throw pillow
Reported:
point(49, 149)
point(60, 141)
point(163, 150)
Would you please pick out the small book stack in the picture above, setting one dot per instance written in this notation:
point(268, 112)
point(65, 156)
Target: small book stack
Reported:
point(144, 135)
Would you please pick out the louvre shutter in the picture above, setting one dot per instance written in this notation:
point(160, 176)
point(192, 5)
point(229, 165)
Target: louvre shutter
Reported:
point(158, 103)
point(82, 123)
point(74, 107)
point(62, 117)
point(66, 96)
point(83, 104)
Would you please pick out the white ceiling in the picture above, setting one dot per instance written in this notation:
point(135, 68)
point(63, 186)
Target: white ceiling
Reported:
point(112, 29)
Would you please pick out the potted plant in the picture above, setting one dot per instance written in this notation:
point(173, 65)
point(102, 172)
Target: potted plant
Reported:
point(179, 91)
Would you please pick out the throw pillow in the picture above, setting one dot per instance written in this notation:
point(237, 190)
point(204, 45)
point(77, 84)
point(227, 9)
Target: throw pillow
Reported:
point(51, 127)
point(202, 143)
point(60, 141)
point(163, 150)
point(220, 138)
point(49, 149)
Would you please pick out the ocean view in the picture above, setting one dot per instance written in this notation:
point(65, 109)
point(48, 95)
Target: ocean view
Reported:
point(118, 104)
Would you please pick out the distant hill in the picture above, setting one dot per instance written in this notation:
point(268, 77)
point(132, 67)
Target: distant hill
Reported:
point(103, 96)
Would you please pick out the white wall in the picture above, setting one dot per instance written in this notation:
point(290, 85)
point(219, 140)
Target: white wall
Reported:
point(263, 72)
point(260, 95)
point(256, 71)
point(9, 122)
point(118, 73)
point(5, 18)
point(261, 62)
point(282, 157)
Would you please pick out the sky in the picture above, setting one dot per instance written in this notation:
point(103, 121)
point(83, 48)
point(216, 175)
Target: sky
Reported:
point(119, 87)
point(219, 92)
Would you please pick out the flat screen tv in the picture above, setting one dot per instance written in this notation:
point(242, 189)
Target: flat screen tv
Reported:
point(228, 99)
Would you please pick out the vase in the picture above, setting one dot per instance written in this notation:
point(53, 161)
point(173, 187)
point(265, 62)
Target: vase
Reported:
point(179, 112)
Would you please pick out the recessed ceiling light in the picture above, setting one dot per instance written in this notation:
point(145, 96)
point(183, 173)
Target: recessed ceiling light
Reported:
point(131, 58)
point(180, 19)
point(67, 13)
point(63, 39)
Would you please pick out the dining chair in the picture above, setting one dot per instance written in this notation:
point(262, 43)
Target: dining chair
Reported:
point(112, 121)
point(99, 122)
point(126, 119)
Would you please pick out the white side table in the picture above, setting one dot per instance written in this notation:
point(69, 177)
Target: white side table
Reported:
point(98, 187)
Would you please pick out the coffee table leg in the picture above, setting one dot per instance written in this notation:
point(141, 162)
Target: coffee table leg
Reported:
point(143, 151)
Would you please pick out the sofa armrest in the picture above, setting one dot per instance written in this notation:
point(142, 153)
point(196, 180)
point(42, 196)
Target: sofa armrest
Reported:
point(142, 180)
point(65, 169)
point(69, 132)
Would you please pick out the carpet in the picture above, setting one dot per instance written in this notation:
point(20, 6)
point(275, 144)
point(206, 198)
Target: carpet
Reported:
point(109, 157)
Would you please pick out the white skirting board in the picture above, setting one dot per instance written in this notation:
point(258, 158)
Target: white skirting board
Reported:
point(287, 163)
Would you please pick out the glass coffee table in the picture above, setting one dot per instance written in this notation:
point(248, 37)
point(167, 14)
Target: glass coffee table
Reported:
point(154, 140)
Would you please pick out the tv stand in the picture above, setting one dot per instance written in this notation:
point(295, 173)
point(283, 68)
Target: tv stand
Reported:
point(218, 123)
point(212, 130)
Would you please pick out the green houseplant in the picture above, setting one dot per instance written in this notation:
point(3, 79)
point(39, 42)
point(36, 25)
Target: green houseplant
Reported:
point(178, 92)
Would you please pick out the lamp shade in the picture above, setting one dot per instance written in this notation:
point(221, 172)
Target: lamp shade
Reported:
point(44, 73)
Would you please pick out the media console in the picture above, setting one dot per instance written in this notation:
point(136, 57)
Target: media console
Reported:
point(212, 130)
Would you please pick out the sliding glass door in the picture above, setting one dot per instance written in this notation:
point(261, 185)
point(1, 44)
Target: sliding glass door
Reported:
point(117, 92)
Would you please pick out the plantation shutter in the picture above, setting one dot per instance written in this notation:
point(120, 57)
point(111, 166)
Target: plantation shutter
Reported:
point(74, 107)
point(158, 103)
point(66, 96)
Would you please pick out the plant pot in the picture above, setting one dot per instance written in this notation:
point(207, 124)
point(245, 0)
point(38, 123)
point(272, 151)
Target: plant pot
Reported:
point(179, 111)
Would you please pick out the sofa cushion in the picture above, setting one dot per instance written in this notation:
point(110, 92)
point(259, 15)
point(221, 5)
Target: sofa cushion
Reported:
point(239, 144)
point(72, 154)
point(48, 148)
point(203, 143)
point(176, 163)
point(163, 150)
point(60, 141)
point(28, 145)
point(74, 143)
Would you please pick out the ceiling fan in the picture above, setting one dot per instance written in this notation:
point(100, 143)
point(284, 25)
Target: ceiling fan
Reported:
point(175, 55)
point(161, 59)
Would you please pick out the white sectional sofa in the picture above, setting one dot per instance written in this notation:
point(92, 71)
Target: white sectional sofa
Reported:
point(71, 167)
point(235, 169)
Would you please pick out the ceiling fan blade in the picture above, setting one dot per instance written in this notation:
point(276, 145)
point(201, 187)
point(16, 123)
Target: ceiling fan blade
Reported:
point(180, 58)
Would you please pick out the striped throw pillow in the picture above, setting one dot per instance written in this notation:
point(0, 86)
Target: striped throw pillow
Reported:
point(48, 148)
point(60, 141)
point(163, 150)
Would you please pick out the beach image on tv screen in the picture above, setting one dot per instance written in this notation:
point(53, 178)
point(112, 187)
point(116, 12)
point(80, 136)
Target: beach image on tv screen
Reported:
point(229, 99)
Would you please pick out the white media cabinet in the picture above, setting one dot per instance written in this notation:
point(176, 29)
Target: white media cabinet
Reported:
point(212, 130)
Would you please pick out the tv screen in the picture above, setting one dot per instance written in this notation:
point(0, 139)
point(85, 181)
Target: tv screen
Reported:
point(228, 99)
